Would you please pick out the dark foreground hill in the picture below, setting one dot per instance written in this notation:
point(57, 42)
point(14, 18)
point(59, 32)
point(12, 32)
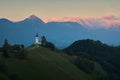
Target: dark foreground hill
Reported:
point(41, 64)
point(89, 50)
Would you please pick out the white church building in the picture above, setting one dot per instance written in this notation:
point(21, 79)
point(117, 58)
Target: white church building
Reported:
point(37, 41)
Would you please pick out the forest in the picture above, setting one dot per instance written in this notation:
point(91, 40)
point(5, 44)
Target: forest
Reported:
point(90, 51)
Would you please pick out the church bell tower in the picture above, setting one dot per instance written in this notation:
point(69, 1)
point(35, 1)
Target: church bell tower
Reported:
point(37, 39)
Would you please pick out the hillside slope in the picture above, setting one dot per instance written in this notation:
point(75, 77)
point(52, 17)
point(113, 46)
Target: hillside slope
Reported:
point(106, 56)
point(43, 64)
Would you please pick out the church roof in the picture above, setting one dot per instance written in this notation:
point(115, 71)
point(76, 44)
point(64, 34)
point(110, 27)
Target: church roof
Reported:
point(37, 35)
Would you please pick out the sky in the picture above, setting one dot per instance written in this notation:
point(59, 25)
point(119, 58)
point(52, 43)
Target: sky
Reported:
point(19, 9)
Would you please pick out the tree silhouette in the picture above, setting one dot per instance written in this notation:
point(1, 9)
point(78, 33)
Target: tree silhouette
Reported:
point(43, 41)
point(5, 49)
point(6, 44)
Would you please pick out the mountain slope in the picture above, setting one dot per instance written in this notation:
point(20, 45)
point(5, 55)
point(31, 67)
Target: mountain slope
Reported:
point(43, 64)
point(61, 34)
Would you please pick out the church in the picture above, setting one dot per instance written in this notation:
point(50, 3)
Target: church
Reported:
point(37, 41)
point(42, 42)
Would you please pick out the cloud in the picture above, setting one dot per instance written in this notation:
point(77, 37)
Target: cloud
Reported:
point(65, 19)
point(111, 24)
point(105, 21)
point(109, 17)
point(54, 19)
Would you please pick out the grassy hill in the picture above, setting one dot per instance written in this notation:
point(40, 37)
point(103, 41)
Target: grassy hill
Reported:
point(44, 64)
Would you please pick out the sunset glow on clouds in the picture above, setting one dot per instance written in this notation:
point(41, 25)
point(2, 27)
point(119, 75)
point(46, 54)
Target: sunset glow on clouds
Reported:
point(105, 21)
point(65, 19)
point(85, 12)
point(69, 9)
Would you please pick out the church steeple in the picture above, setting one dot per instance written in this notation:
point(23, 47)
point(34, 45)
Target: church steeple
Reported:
point(37, 35)
point(37, 41)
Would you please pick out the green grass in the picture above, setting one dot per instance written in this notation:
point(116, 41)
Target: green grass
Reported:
point(43, 64)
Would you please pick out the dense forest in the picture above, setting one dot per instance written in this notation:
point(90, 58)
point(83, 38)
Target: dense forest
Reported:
point(89, 51)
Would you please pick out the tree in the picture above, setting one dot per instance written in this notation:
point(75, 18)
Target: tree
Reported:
point(50, 46)
point(43, 41)
point(5, 49)
point(6, 44)
point(19, 51)
point(85, 64)
point(22, 46)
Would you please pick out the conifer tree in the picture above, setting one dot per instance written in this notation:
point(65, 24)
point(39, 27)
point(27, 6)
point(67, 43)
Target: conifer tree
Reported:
point(43, 41)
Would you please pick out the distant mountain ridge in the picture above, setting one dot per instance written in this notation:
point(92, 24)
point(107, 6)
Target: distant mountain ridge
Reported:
point(105, 21)
point(61, 34)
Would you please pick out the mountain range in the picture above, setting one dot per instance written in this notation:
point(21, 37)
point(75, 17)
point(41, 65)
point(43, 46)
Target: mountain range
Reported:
point(62, 34)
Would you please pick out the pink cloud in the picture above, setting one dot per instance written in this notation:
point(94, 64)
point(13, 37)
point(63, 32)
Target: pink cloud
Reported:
point(65, 19)
point(110, 17)
point(111, 24)
point(105, 21)
point(54, 19)
point(107, 16)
